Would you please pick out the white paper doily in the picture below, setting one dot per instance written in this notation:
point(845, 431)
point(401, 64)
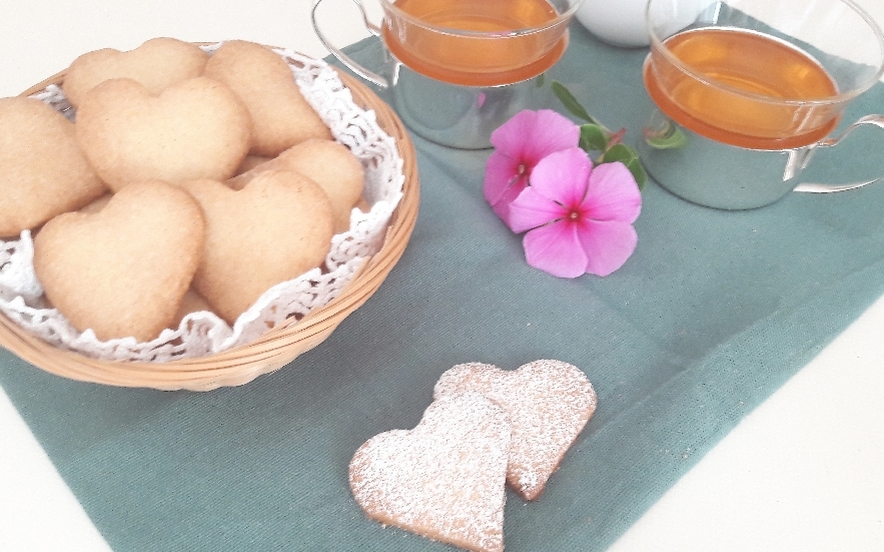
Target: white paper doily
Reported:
point(203, 333)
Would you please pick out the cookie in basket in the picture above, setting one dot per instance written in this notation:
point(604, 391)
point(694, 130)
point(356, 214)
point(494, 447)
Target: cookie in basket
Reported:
point(250, 162)
point(122, 271)
point(358, 118)
point(444, 479)
point(45, 172)
point(548, 403)
point(328, 163)
point(281, 116)
point(276, 228)
point(194, 129)
point(191, 302)
point(96, 205)
point(156, 64)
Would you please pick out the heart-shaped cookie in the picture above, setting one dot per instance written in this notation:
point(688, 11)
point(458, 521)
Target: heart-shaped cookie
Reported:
point(194, 129)
point(281, 116)
point(326, 162)
point(275, 229)
point(123, 270)
point(45, 172)
point(548, 403)
point(156, 65)
point(445, 478)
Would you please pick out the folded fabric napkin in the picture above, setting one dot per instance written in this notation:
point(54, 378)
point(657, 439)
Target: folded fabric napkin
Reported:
point(713, 312)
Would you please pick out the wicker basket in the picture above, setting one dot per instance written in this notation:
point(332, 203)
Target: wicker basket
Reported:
point(274, 349)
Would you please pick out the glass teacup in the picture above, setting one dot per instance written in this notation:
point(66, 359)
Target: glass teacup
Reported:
point(756, 87)
point(477, 42)
point(458, 69)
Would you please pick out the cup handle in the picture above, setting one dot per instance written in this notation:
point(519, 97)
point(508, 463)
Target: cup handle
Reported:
point(370, 76)
point(817, 188)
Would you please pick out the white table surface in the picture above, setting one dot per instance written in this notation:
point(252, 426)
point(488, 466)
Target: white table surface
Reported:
point(804, 472)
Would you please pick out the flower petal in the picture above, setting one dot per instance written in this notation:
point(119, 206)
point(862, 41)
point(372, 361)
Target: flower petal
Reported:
point(531, 135)
point(510, 137)
point(503, 207)
point(531, 210)
point(613, 194)
point(500, 172)
point(556, 249)
point(552, 132)
point(607, 244)
point(563, 176)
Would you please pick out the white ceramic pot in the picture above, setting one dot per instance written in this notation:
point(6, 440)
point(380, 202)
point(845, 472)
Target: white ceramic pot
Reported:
point(617, 22)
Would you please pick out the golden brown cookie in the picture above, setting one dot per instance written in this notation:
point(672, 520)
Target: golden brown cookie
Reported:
point(156, 65)
point(281, 117)
point(123, 270)
point(194, 129)
point(250, 162)
point(328, 163)
point(548, 403)
point(190, 303)
point(96, 205)
point(44, 172)
point(273, 230)
point(444, 479)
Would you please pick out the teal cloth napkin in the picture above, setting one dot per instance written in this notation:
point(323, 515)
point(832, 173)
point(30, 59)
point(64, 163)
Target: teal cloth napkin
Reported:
point(714, 312)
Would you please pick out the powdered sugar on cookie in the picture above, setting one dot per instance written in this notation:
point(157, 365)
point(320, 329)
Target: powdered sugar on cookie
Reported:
point(445, 478)
point(548, 403)
point(486, 427)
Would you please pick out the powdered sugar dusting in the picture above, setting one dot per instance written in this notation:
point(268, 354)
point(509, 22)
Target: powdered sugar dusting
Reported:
point(445, 478)
point(548, 403)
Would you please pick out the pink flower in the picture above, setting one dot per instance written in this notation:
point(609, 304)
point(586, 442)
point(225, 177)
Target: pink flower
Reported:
point(579, 218)
point(520, 144)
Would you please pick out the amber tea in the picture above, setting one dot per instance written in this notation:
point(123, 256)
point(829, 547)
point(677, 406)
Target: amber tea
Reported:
point(459, 41)
point(743, 88)
point(750, 94)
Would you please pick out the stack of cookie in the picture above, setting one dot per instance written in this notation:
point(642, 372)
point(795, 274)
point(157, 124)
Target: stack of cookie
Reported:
point(485, 428)
point(188, 181)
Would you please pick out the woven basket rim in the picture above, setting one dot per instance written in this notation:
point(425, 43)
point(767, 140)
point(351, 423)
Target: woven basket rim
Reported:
point(276, 347)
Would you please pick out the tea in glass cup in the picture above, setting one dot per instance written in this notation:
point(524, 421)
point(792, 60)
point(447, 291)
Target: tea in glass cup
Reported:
point(476, 42)
point(752, 76)
point(458, 69)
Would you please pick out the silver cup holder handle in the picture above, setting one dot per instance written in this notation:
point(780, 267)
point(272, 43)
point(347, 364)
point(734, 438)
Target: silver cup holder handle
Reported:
point(817, 188)
point(366, 74)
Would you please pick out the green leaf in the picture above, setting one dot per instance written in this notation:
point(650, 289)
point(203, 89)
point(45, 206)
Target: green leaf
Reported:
point(671, 137)
point(541, 80)
point(570, 102)
point(593, 138)
point(629, 157)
